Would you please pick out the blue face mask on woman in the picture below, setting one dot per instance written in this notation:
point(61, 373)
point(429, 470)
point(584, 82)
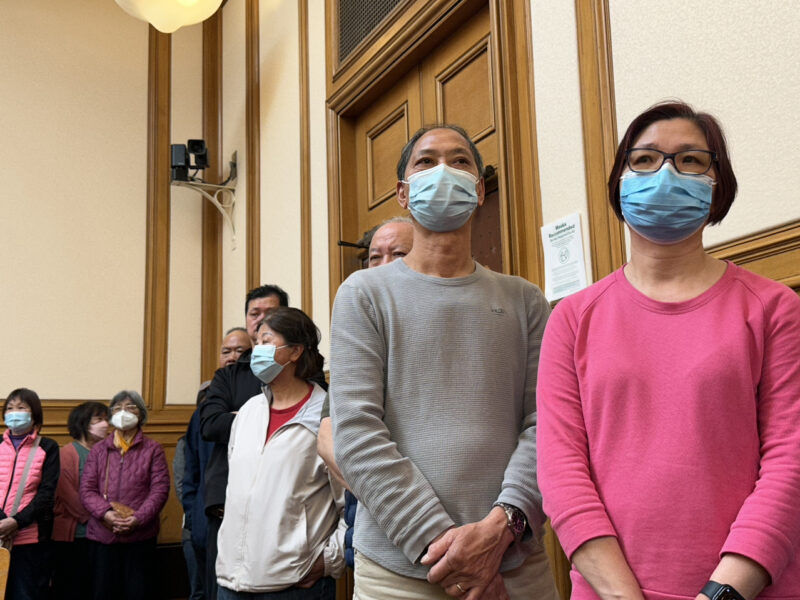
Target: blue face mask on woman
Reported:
point(665, 207)
point(442, 198)
point(18, 422)
point(263, 364)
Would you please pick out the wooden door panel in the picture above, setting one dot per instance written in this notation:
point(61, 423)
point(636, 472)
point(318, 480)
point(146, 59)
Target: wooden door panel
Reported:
point(381, 131)
point(458, 87)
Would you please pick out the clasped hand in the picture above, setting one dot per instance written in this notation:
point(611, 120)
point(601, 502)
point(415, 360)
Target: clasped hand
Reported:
point(466, 560)
point(118, 524)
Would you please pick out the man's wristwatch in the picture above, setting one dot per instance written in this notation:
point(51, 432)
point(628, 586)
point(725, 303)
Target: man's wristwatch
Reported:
point(515, 519)
point(720, 591)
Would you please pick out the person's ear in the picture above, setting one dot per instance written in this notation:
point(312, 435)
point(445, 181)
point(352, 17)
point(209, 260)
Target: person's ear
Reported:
point(480, 189)
point(297, 352)
point(402, 194)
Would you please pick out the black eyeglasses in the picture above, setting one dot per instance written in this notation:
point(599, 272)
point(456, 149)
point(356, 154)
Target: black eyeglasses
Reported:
point(688, 162)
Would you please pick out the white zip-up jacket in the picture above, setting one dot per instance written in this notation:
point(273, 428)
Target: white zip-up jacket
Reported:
point(282, 509)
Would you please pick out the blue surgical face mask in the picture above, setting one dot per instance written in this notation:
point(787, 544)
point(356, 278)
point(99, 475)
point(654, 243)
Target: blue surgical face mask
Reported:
point(442, 198)
point(18, 422)
point(263, 364)
point(665, 207)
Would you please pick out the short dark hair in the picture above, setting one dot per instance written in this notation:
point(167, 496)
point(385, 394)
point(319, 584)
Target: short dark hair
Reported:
point(265, 291)
point(724, 190)
point(232, 329)
point(405, 154)
point(30, 398)
point(297, 329)
point(81, 417)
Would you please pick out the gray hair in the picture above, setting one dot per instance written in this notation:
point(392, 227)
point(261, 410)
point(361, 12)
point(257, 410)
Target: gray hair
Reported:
point(397, 219)
point(366, 239)
point(134, 397)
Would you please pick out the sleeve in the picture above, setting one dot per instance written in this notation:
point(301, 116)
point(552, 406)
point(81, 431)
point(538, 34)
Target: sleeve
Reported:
point(216, 413)
point(159, 487)
point(570, 497)
point(45, 497)
point(178, 467)
point(519, 487)
point(333, 552)
point(767, 528)
point(91, 495)
point(68, 491)
point(392, 488)
point(191, 472)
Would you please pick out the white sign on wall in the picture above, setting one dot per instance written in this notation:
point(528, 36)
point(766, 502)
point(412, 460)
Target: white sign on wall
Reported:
point(564, 265)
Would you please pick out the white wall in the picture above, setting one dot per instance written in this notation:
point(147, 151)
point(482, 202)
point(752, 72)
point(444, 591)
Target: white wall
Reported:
point(234, 260)
point(319, 173)
point(736, 59)
point(73, 166)
point(186, 224)
point(280, 146)
point(558, 115)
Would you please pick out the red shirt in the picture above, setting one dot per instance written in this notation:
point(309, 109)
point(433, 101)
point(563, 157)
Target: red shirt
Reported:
point(279, 417)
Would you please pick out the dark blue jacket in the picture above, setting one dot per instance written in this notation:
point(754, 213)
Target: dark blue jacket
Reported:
point(198, 452)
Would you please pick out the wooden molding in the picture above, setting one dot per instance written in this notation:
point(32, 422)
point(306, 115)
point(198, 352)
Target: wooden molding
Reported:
point(253, 143)
point(211, 301)
point(335, 268)
point(774, 253)
point(599, 132)
point(519, 180)
point(388, 52)
point(156, 304)
point(307, 298)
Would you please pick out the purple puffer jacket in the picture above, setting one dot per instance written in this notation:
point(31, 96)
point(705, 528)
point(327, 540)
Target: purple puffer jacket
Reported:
point(139, 479)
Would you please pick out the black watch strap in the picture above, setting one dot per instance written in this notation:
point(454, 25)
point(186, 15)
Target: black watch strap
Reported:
point(720, 591)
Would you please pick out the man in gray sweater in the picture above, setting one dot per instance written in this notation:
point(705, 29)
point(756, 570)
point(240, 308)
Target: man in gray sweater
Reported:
point(433, 396)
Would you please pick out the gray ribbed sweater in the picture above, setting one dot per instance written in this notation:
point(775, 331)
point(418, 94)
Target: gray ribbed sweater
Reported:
point(433, 400)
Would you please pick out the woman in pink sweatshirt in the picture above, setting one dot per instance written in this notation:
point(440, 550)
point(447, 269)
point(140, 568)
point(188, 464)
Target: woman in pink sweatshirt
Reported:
point(669, 394)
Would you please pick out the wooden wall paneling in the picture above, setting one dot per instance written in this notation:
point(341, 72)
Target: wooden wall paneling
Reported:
point(400, 42)
point(335, 252)
point(380, 132)
point(306, 294)
point(774, 253)
point(513, 55)
point(599, 132)
point(253, 143)
point(154, 376)
point(211, 302)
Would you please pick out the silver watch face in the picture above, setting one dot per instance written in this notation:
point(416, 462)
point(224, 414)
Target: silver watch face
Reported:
point(515, 520)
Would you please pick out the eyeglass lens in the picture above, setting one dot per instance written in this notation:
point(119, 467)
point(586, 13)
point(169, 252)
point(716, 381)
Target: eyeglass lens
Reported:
point(690, 162)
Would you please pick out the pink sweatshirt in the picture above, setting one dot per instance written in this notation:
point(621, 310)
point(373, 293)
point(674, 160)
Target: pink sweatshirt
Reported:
point(676, 428)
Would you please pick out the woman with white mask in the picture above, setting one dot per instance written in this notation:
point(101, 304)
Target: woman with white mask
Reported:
point(669, 393)
point(125, 485)
point(28, 477)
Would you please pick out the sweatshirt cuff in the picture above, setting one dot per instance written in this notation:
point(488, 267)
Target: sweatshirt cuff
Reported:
point(772, 550)
point(415, 539)
point(532, 510)
point(574, 532)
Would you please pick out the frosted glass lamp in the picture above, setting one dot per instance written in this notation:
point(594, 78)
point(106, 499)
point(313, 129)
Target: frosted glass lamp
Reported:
point(169, 15)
